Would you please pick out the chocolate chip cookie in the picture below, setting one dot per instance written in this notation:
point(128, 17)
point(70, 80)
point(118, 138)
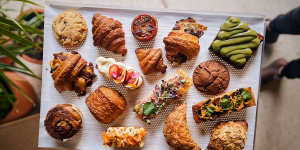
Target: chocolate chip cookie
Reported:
point(70, 29)
point(211, 77)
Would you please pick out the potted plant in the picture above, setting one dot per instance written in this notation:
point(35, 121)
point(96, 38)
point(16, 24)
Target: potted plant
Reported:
point(16, 37)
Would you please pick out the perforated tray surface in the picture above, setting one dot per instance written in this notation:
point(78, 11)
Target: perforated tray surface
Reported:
point(90, 135)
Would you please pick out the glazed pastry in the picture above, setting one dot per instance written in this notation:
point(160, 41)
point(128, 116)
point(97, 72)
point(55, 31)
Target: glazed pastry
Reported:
point(150, 60)
point(108, 33)
point(223, 104)
point(119, 72)
point(164, 92)
point(70, 29)
point(182, 43)
point(211, 77)
point(106, 104)
point(71, 72)
point(124, 137)
point(229, 136)
point(63, 121)
point(176, 130)
point(236, 42)
point(144, 27)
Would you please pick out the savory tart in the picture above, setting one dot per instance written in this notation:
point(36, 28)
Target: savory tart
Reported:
point(223, 104)
point(164, 92)
point(106, 104)
point(108, 33)
point(176, 130)
point(182, 43)
point(236, 42)
point(150, 60)
point(119, 72)
point(71, 72)
point(124, 137)
point(144, 27)
point(229, 136)
point(63, 121)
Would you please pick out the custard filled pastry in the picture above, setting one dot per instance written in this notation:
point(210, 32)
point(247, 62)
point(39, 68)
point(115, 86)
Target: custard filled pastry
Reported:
point(124, 137)
point(150, 60)
point(163, 93)
point(63, 121)
point(182, 43)
point(108, 33)
point(176, 130)
point(119, 72)
point(71, 72)
point(229, 135)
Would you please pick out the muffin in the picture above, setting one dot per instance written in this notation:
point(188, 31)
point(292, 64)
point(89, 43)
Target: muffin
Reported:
point(211, 77)
point(106, 104)
point(63, 121)
point(70, 29)
point(229, 135)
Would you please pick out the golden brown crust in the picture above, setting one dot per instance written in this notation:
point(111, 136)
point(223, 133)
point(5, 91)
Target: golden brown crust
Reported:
point(106, 104)
point(182, 43)
point(150, 60)
point(108, 33)
point(197, 106)
point(229, 135)
point(63, 121)
point(71, 72)
point(176, 130)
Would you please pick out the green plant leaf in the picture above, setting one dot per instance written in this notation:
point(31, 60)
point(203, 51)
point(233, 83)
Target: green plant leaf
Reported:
point(18, 88)
point(9, 54)
point(29, 2)
point(246, 95)
point(16, 37)
point(17, 69)
point(148, 108)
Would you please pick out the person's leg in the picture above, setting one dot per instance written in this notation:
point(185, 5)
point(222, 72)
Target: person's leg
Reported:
point(283, 24)
point(288, 23)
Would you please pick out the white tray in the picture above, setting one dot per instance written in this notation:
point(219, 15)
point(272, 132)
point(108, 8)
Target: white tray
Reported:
point(90, 135)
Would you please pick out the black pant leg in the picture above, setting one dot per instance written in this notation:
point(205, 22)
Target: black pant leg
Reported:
point(292, 69)
point(288, 23)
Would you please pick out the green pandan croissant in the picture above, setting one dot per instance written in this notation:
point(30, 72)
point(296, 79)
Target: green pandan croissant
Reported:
point(236, 41)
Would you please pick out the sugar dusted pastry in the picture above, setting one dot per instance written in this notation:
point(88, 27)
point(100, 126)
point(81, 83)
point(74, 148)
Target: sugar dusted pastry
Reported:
point(63, 121)
point(229, 136)
point(108, 33)
point(119, 72)
point(124, 137)
point(226, 103)
point(164, 92)
point(106, 104)
point(182, 43)
point(71, 72)
point(176, 130)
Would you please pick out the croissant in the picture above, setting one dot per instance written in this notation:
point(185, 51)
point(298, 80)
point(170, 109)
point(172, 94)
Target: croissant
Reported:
point(176, 130)
point(108, 33)
point(71, 72)
point(150, 60)
point(182, 43)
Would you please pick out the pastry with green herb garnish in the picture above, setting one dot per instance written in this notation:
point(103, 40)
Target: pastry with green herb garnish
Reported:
point(236, 42)
point(223, 104)
point(163, 93)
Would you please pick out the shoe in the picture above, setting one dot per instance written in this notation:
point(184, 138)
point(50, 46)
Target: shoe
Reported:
point(273, 71)
point(271, 37)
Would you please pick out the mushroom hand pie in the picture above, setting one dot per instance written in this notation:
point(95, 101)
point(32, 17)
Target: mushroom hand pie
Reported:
point(182, 43)
point(176, 130)
point(229, 136)
point(63, 121)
